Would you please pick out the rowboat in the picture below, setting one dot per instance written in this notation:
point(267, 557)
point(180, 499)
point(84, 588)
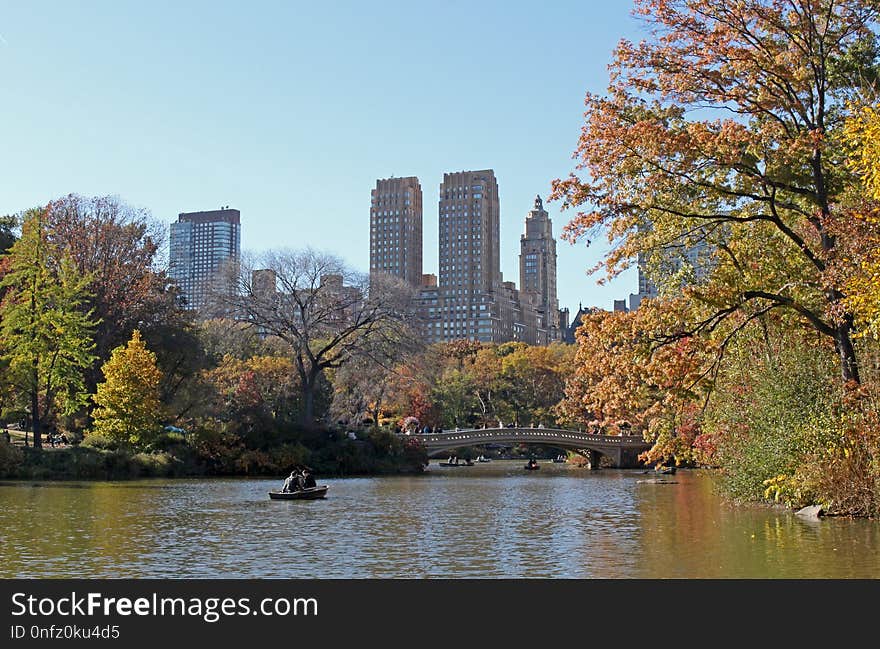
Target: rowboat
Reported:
point(312, 493)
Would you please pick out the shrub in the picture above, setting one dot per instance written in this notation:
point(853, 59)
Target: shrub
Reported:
point(768, 417)
point(100, 441)
point(11, 458)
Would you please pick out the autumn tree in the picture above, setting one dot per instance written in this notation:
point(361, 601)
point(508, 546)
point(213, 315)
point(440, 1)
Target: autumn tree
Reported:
point(532, 380)
point(859, 264)
point(258, 399)
point(117, 247)
point(360, 388)
point(722, 131)
point(45, 326)
point(626, 375)
point(411, 387)
point(325, 313)
point(128, 409)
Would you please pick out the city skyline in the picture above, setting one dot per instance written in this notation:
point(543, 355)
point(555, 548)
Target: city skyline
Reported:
point(186, 108)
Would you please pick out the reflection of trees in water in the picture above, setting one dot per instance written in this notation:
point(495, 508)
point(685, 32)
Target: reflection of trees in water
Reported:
point(73, 531)
point(689, 530)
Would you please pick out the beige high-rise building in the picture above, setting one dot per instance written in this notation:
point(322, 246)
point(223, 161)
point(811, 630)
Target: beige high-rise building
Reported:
point(396, 229)
point(470, 264)
point(537, 271)
point(468, 298)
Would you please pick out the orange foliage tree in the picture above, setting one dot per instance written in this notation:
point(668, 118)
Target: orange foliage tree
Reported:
point(632, 372)
point(721, 132)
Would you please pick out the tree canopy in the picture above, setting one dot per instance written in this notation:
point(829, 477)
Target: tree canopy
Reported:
point(721, 132)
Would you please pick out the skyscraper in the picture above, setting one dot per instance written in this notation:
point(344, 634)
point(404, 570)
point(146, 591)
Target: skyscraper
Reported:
point(537, 269)
point(470, 265)
point(471, 299)
point(396, 229)
point(202, 244)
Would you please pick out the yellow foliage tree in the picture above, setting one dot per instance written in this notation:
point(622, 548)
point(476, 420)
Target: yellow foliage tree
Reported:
point(128, 401)
point(862, 285)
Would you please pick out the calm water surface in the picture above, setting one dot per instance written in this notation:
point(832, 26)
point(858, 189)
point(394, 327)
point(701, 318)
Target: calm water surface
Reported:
point(490, 520)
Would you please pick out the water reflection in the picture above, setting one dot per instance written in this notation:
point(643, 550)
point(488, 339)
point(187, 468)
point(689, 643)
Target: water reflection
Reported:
point(491, 520)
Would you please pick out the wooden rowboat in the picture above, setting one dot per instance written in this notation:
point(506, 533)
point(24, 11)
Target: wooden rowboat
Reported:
point(312, 493)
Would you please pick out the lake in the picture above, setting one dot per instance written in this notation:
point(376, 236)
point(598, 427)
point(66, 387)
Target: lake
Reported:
point(491, 520)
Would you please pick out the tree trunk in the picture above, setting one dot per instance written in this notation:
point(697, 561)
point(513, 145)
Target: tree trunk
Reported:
point(849, 367)
point(35, 419)
point(307, 420)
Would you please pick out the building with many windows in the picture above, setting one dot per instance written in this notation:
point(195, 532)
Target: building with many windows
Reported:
point(396, 229)
point(202, 245)
point(468, 298)
point(469, 257)
point(537, 271)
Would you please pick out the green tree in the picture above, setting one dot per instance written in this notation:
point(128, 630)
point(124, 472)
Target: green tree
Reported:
point(454, 396)
point(46, 332)
point(7, 232)
point(128, 409)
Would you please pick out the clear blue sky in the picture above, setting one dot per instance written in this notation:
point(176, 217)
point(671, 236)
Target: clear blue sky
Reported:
point(290, 111)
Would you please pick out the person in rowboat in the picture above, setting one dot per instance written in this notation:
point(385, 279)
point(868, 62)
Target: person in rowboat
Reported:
point(291, 483)
point(308, 479)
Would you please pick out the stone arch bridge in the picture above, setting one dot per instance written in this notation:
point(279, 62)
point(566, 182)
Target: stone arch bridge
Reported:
point(622, 450)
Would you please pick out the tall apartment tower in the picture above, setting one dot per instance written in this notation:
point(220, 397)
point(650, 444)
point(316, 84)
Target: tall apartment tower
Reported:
point(202, 244)
point(396, 229)
point(537, 269)
point(470, 264)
